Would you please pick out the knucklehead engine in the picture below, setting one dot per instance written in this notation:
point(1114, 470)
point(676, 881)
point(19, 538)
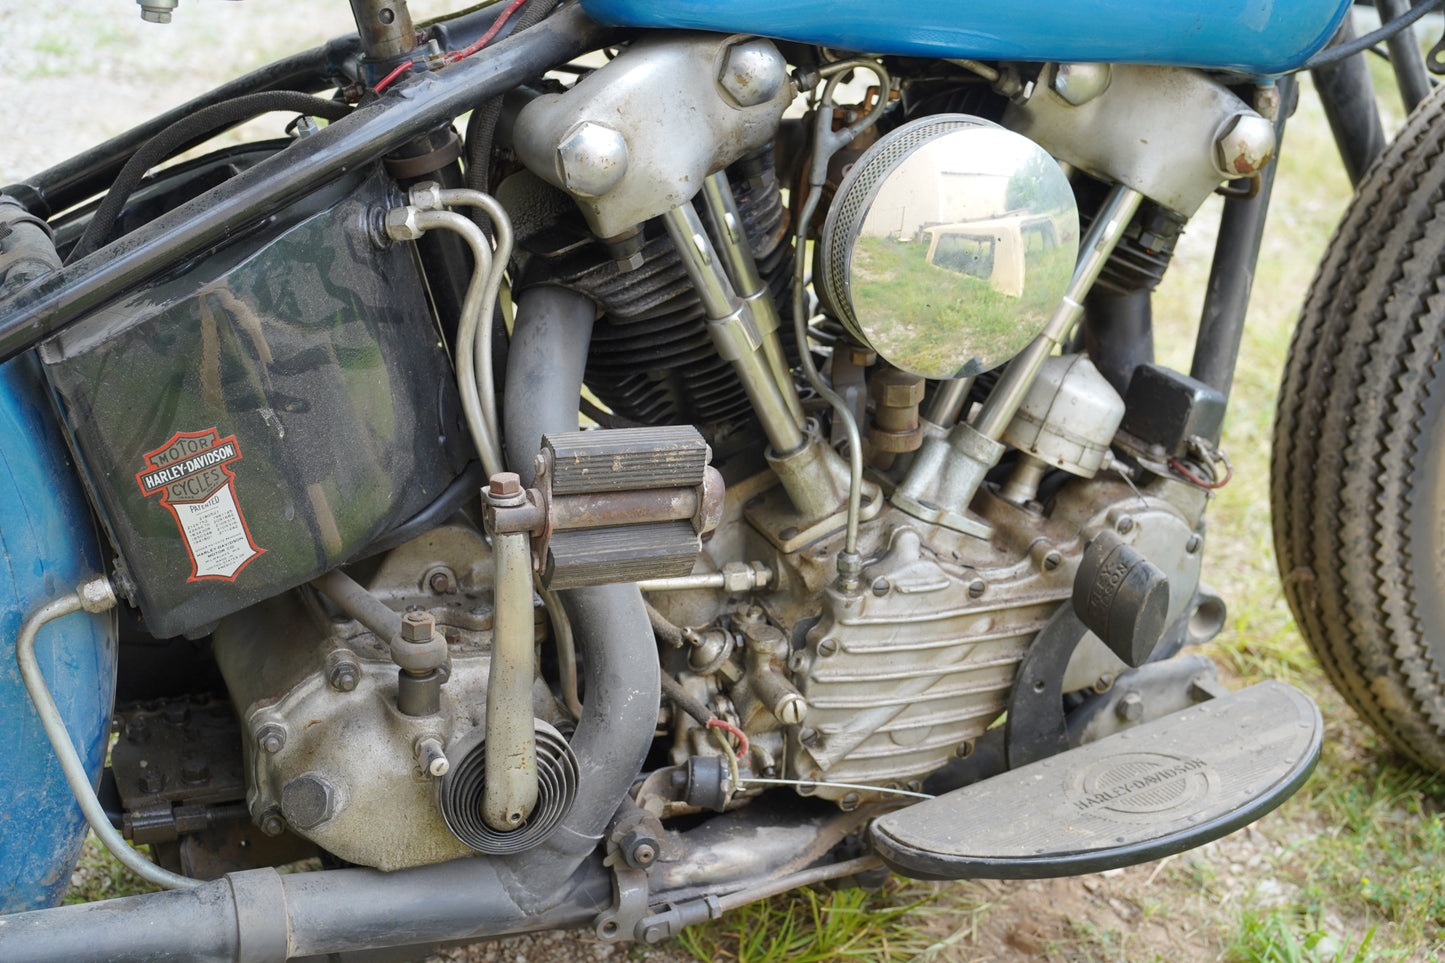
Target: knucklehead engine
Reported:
point(850, 580)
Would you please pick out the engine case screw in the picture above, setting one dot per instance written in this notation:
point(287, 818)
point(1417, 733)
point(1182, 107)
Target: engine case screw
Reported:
point(271, 737)
point(1193, 544)
point(827, 647)
point(976, 588)
point(1052, 561)
point(849, 802)
point(343, 672)
point(1124, 525)
point(808, 736)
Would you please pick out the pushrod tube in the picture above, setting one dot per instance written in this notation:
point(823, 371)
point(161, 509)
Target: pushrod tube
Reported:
point(405, 113)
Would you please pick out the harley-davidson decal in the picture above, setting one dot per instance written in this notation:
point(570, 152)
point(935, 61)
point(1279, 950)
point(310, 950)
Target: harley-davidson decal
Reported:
point(190, 474)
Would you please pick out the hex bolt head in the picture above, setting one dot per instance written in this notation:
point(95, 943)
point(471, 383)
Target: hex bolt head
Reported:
point(1131, 707)
point(505, 484)
point(271, 737)
point(152, 781)
point(591, 159)
point(752, 73)
point(417, 626)
point(195, 771)
point(343, 676)
point(308, 800)
point(1244, 145)
point(1078, 84)
point(271, 822)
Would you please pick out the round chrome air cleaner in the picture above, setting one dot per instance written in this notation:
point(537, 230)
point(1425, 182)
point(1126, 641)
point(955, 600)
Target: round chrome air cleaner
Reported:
point(948, 245)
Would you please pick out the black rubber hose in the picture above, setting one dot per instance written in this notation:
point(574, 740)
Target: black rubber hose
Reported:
point(482, 125)
point(678, 696)
point(205, 123)
point(545, 363)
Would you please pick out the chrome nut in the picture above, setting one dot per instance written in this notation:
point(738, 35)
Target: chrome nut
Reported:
point(752, 72)
point(401, 224)
point(96, 594)
point(1078, 84)
point(591, 159)
point(418, 647)
point(1244, 145)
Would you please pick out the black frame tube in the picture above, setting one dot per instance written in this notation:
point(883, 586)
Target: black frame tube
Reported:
point(1405, 57)
point(1348, 97)
point(87, 174)
point(373, 130)
point(1231, 276)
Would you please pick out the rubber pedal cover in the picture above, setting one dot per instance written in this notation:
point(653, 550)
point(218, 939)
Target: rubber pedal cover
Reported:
point(1150, 791)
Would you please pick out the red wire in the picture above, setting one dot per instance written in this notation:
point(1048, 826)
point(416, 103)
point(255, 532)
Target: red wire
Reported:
point(733, 731)
point(487, 37)
point(381, 84)
point(1179, 466)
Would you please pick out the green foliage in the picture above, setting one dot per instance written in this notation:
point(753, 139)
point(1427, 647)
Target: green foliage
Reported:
point(814, 927)
point(1280, 937)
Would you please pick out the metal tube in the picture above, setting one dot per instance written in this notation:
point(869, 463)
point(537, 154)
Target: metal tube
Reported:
point(1348, 96)
point(619, 657)
point(509, 792)
point(385, 28)
point(948, 401)
point(1231, 276)
point(368, 133)
point(85, 175)
point(722, 206)
point(94, 595)
point(353, 599)
point(1104, 234)
point(734, 330)
point(756, 576)
point(1405, 56)
point(474, 332)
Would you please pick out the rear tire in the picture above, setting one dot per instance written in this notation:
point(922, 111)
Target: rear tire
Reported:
point(1358, 464)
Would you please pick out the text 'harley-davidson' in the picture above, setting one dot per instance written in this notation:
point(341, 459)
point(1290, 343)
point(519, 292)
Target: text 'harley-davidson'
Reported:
point(609, 462)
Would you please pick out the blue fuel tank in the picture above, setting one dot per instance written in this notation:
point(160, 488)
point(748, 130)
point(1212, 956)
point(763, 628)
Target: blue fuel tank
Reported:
point(1259, 37)
point(48, 545)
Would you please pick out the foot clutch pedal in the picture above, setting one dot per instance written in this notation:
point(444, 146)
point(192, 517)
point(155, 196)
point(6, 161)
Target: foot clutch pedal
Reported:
point(1156, 789)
